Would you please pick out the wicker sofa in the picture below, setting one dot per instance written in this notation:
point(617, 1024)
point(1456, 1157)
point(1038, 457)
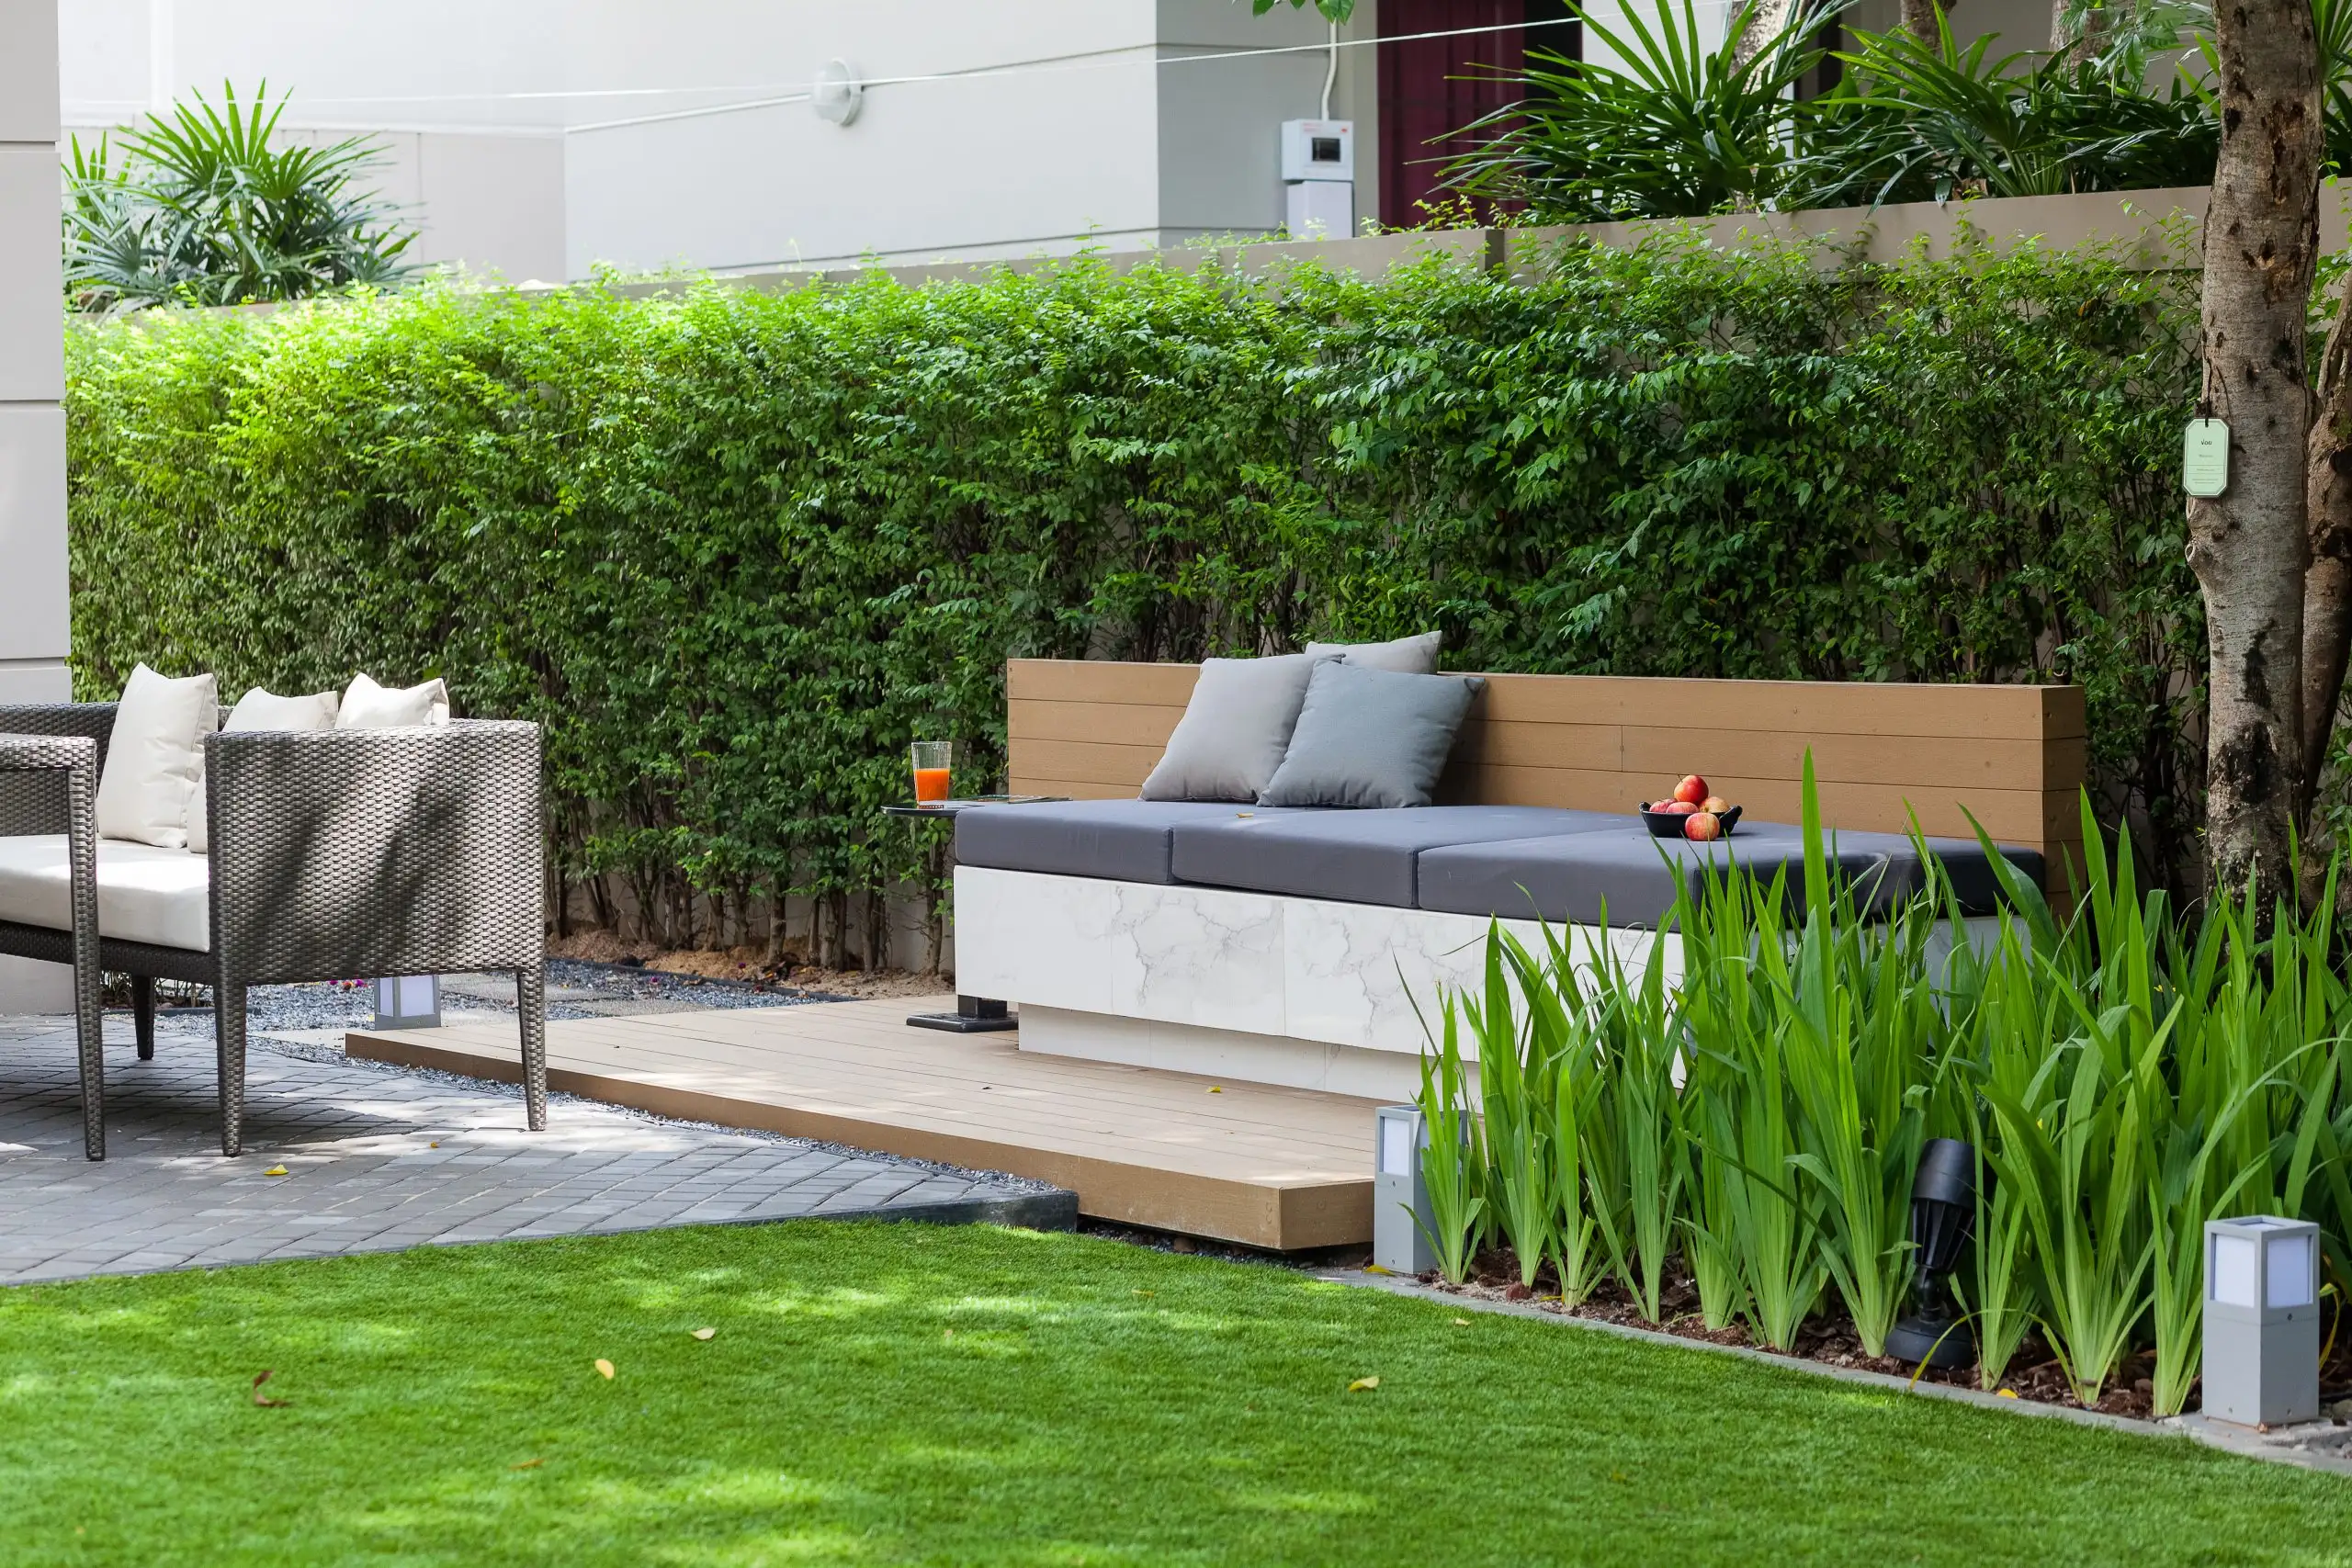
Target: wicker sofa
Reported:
point(333, 853)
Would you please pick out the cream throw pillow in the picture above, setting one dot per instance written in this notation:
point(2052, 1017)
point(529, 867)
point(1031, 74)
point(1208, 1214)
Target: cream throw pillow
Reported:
point(366, 706)
point(155, 757)
point(257, 709)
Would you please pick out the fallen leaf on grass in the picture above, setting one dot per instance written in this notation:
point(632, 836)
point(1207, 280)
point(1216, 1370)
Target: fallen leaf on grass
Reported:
point(604, 1369)
point(275, 1170)
point(1461, 1323)
point(527, 1464)
point(704, 1333)
point(1145, 1293)
point(262, 1398)
point(1364, 1385)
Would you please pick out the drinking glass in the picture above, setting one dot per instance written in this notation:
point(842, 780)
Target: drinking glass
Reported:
point(931, 760)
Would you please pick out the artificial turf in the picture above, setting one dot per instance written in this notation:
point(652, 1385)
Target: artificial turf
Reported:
point(901, 1393)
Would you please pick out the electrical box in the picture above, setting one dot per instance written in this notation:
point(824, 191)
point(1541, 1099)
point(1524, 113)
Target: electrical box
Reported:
point(1318, 150)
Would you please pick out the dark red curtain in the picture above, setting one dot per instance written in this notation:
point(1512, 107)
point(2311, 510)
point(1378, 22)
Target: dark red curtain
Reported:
point(1431, 87)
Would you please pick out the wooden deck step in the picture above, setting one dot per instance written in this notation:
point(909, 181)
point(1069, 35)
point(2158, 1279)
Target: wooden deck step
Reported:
point(1283, 1168)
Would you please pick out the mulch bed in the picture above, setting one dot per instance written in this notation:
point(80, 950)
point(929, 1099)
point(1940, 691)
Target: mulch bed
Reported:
point(2033, 1374)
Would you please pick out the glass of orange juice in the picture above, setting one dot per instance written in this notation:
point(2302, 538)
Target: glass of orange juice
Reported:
point(930, 762)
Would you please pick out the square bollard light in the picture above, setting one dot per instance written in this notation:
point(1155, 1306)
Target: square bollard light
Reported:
point(1400, 1200)
point(2261, 1321)
point(408, 1001)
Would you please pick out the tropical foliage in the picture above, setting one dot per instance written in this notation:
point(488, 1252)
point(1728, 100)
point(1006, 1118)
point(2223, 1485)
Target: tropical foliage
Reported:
point(736, 549)
point(2125, 1073)
point(211, 206)
point(1659, 123)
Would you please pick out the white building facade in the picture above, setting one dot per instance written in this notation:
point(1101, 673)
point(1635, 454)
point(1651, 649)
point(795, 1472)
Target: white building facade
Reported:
point(542, 139)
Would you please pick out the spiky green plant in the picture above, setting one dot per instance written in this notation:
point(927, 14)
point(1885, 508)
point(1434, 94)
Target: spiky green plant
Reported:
point(208, 206)
point(1453, 1163)
point(1515, 1082)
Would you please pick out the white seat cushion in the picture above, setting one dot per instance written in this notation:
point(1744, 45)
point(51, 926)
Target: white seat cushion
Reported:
point(145, 894)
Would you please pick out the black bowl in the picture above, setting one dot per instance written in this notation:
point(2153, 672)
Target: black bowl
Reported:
point(1669, 824)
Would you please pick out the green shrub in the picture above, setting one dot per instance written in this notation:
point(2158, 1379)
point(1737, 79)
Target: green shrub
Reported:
point(735, 548)
point(2124, 1074)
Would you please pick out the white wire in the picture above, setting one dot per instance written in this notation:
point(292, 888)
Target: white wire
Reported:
point(799, 93)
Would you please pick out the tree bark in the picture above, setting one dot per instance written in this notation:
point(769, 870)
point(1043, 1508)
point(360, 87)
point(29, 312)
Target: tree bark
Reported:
point(1919, 15)
point(1769, 18)
point(2247, 546)
point(2327, 581)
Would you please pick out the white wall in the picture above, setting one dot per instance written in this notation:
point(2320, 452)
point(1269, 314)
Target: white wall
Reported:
point(541, 138)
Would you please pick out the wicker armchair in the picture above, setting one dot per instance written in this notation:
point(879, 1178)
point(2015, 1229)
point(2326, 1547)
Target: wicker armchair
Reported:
point(333, 853)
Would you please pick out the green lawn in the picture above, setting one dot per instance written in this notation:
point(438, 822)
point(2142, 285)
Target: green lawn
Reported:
point(903, 1393)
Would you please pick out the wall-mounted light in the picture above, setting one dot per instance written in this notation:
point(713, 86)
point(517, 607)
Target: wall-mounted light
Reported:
point(1401, 1221)
point(2262, 1321)
point(837, 95)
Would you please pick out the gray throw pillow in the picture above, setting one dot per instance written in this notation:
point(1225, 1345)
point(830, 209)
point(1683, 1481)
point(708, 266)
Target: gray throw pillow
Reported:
point(1371, 737)
point(1234, 731)
point(1407, 655)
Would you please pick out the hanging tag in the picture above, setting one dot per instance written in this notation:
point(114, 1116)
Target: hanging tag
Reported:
point(2205, 458)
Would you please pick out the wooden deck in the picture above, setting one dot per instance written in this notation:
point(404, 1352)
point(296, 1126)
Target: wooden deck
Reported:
point(1274, 1167)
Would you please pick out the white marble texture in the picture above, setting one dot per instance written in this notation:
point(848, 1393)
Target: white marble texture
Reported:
point(1389, 1077)
point(1247, 964)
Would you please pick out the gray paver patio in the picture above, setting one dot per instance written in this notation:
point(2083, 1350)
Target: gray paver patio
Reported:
point(379, 1158)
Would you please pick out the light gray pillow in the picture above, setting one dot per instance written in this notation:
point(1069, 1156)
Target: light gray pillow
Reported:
point(1371, 737)
point(1235, 729)
point(1406, 654)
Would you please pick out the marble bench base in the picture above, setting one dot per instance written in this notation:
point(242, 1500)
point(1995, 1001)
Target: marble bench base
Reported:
point(1254, 986)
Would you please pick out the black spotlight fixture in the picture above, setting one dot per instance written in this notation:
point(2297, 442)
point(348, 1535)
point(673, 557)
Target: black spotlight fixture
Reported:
point(1944, 1211)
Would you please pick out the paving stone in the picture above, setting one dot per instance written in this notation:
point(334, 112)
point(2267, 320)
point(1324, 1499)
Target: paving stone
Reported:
point(356, 1140)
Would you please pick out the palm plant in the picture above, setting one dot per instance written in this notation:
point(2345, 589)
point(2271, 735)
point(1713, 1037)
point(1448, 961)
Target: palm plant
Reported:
point(201, 208)
point(1678, 130)
point(1916, 120)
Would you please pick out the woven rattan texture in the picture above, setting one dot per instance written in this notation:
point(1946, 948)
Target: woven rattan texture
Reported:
point(334, 854)
point(376, 851)
point(69, 763)
point(33, 801)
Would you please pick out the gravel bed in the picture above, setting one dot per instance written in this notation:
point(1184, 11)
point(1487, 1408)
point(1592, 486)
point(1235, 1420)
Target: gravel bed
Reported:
point(576, 989)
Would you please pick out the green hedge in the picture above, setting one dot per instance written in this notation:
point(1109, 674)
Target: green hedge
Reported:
point(735, 548)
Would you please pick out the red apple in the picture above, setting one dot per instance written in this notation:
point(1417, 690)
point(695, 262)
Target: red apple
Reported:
point(1691, 790)
point(1704, 826)
point(1679, 808)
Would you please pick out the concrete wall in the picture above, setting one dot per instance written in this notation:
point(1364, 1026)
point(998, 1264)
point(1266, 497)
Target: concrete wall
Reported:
point(32, 426)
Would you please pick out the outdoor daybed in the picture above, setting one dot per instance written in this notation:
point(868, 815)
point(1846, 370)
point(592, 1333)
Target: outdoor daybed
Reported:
point(1293, 946)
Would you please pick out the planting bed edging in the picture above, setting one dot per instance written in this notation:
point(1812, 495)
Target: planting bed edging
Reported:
point(2272, 1447)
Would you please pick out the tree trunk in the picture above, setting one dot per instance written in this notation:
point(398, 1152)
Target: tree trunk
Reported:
point(1919, 15)
point(2247, 546)
point(1769, 18)
point(2327, 582)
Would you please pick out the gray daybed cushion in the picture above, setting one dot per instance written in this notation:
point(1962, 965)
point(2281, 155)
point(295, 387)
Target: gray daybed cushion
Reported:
point(1371, 737)
point(1406, 654)
point(1235, 729)
point(1357, 857)
point(1633, 876)
point(1125, 840)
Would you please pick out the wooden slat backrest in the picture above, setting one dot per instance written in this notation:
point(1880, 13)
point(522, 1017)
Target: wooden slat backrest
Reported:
point(2013, 755)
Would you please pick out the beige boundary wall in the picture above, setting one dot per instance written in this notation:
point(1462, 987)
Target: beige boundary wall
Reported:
point(2161, 228)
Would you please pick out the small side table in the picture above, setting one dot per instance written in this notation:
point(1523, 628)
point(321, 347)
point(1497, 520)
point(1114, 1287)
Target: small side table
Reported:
point(973, 1015)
